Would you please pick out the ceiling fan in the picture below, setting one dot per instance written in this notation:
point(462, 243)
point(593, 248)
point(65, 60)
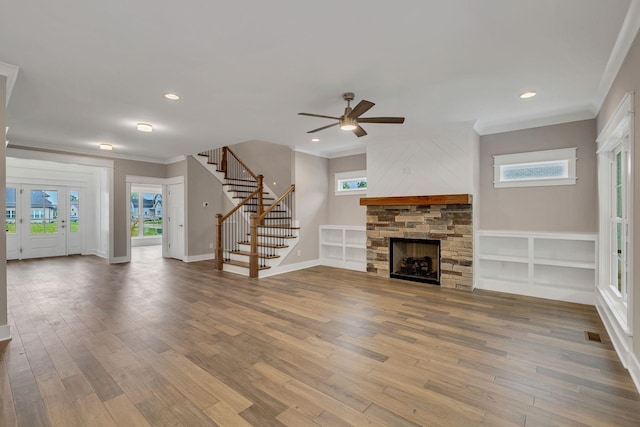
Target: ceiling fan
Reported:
point(351, 119)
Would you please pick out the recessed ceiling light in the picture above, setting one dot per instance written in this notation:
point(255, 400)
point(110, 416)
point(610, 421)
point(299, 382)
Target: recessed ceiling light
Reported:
point(529, 94)
point(145, 127)
point(171, 96)
point(315, 139)
point(105, 146)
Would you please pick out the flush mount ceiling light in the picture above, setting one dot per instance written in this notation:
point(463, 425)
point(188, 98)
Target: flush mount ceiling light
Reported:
point(315, 139)
point(529, 94)
point(145, 127)
point(171, 96)
point(105, 146)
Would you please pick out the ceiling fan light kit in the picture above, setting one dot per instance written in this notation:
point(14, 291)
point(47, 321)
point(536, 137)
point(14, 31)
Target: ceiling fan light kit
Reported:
point(351, 119)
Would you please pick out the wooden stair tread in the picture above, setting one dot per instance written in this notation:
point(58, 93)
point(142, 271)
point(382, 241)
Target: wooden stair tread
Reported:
point(276, 217)
point(244, 197)
point(275, 236)
point(247, 253)
point(244, 264)
point(264, 245)
point(255, 210)
point(282, 227)
point(239, 179)
point(240, 185)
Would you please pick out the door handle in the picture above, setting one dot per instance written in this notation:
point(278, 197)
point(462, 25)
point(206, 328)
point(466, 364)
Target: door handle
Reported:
point(180, 225)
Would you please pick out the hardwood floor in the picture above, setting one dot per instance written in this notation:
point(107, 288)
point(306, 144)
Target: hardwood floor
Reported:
point(164, 343)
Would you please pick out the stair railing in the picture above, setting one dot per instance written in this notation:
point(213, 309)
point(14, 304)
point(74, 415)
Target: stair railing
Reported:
point(279, 222)
point(235, 170)
point(231, 227)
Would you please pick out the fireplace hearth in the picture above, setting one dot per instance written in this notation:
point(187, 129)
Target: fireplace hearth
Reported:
point(415, 259)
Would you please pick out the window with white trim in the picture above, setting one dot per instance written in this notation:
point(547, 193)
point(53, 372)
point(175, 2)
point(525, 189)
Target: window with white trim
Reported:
point(615, 191)
point(535, 168)
point(351, 183)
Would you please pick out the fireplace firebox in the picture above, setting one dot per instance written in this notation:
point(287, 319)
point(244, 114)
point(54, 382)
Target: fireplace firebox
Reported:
point(415, 259)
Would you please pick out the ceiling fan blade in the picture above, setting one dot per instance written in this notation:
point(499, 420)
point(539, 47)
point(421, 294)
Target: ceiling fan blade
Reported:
point(362, 107)
point(393, 120)
point(323, 127)
point(358, 131)
point(318, 115)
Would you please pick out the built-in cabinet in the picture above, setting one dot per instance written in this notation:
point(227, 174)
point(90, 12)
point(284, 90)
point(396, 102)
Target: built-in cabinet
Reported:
point(560, 266)
point(343, 246)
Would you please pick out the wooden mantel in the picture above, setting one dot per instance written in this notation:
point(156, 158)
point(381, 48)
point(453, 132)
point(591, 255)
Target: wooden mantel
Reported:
point(442, 199)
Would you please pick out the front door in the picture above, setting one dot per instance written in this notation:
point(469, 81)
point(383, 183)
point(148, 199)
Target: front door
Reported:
point(44, 221)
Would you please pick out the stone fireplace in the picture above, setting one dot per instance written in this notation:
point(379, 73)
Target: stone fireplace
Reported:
point(444, 218)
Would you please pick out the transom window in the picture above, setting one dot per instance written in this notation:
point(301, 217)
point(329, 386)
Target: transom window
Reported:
point(536, 168)
point(354, 182)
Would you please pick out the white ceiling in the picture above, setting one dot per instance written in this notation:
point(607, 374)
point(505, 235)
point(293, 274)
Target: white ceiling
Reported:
point(90, 70)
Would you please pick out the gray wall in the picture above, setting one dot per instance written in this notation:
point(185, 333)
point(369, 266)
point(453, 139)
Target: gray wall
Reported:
point(274, 161)
point(122, 168)
point(628, 79)
point(563, 208)
point(311, 205)
point(346, 210)
point(177, 169)
point(201, 186)
point(3, 184)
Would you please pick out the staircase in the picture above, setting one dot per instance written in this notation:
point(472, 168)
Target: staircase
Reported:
point(258, 233)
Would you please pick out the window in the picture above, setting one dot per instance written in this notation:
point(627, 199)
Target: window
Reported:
point(146, 214)
point(615, 175)
point(536, 168)
point(74, 211)
point(10, 212)
point(350, 183)
point(44, 211)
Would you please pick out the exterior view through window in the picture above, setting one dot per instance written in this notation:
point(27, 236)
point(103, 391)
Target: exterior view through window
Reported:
point(44, 211)
point(146, 214)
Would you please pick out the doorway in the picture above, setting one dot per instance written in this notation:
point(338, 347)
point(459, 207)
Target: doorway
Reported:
point(43, 220)
point(155, 209)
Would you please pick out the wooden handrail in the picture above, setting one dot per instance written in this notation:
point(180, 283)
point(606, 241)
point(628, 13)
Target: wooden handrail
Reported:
point(249, 171)
point(274, 204)
point(242, 203)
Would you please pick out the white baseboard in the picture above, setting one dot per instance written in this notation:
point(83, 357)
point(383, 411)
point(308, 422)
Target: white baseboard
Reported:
point(634, 370)
point(5, 333)
point(119, 260)
point(288, 268)
point(196, 258)
point(622, 342)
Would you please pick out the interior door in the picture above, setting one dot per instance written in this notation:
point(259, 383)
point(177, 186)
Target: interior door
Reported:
point(12, 222)
point(43, 221)
point(175, 223)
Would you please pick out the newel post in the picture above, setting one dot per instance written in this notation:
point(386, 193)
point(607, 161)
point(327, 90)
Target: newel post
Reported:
point(219, 249)
point(223, 162)
point(260, 195)
point(253, 257)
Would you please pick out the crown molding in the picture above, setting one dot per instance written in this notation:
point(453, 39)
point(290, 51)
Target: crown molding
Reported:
point(626, 37)
point(483, 127)
point(89, 152)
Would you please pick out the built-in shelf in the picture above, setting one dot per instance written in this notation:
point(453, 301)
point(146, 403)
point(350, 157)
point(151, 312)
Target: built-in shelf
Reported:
point(559, 266)
point(343, 246)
